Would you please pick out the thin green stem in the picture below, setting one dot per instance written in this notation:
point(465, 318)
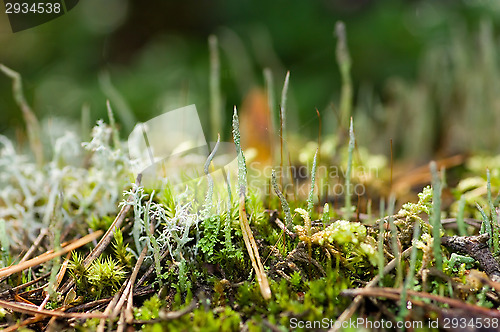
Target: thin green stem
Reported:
point(493, 214)
point(380, 246)
point(344, 62)
point(215, 90)
point(436, 216)
point(462, 230)
point(352, 143)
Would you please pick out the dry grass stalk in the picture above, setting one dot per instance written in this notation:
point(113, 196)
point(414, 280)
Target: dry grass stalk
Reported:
point(7, 271)
point(253, 252)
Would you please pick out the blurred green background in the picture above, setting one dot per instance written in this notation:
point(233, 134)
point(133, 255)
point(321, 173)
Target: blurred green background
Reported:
point(425, 73)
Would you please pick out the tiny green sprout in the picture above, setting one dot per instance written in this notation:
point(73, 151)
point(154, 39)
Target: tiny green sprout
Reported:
point(486, 224)
point(76, 265)
point(436, 215)
point(78, 271)
point(313, 182)
point(102, 223)
point(307, 223)
point(326, 214)
point(424, 204)
point(121, 250)
point(410, 276)
point(208, 197)
point(462, 230)
point(284, 203)
point(457, 259)
point(150, 308)
point(352, 142)
point(494, 216)
point(295, 279)
point(105, 276)
point(242, 167)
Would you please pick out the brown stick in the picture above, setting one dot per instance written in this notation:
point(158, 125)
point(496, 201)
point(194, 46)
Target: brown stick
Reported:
point(477, 248)
point(130, 283)
point(7, 271)
point(33, 310)
point(29, 283)
point(395, 294)
point(35, 244)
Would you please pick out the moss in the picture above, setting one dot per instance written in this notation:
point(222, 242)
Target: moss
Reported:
point(101, 279)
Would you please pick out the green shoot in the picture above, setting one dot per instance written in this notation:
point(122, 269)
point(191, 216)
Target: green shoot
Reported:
point(56, 225)
point(227, 228)
point(112, 123)
point(215, 91)
point(344, 62)
point(486, 224)
point(394, 240)
point(208, 198)
point(121, 249)
point(380, 246)
point(283, 137)
point(326, 214)
point(352, 142)
point(436, 216)
point(242, 168)
point(462, 230)
point(310, 203)
point(494, 218)
point(284, 203)
point(409, 278)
